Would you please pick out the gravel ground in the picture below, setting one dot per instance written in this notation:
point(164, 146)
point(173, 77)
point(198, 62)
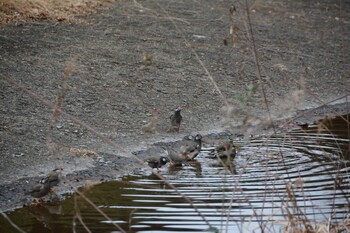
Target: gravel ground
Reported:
point(118, 76)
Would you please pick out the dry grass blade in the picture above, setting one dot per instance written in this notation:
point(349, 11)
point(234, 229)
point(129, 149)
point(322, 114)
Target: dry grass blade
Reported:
point(60, 96)
point(249, 29)
point(50, 105)
point(78, 215)
point(210, 77)
point(12, 223)
point(98, 210)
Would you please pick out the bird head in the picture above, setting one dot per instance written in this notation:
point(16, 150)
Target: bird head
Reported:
point(164, 159)
point(44, 180)
point(178, 110)
point(198, 137)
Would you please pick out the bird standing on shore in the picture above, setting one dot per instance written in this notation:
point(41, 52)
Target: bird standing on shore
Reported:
point(175, 121)
point(53, 178)
point(45, 185)
point(41, 189)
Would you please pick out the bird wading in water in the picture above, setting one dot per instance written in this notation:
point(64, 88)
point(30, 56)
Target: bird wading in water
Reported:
point(191, 151)
point(225, 151)
point(157, 162)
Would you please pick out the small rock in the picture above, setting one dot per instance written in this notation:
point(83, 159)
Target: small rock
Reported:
point(18, 155)
point(199, 37)
point(59, 125)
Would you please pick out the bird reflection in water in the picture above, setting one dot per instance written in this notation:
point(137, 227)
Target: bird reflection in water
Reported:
point(45, 212)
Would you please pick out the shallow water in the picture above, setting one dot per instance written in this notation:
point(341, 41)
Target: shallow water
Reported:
point(299, 177)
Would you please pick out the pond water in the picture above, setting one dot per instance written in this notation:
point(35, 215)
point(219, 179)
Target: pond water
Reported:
point(288, 180)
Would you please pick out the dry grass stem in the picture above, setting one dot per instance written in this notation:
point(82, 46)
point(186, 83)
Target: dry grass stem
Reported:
point(60, 95)
point(12, 223)
point(83, 152)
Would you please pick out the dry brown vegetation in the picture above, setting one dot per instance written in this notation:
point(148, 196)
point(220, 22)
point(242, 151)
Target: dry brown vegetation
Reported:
point(15, 11)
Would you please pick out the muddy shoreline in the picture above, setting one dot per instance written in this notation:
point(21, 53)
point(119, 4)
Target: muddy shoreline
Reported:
point(108, 167)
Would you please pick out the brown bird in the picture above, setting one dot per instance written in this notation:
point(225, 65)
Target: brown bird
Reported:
point(225, 151)
point(303, 125)
point(41, 189)
point(177, 158)
point(53, 178)
point(191, 151)
point(45, 185)
point(157, 162)
point(175, 121)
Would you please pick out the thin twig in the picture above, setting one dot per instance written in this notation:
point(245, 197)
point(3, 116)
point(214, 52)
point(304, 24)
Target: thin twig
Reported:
point(78, 215)
point(188, 45)
point(12, 223)
point(98, 210)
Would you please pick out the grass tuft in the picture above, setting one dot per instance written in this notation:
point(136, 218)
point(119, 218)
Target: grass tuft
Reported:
point(17, 11)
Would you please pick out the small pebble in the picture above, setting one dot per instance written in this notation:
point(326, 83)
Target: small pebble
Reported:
point(59, 125)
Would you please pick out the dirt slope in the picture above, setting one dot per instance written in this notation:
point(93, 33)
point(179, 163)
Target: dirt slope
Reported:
point(133, 64)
